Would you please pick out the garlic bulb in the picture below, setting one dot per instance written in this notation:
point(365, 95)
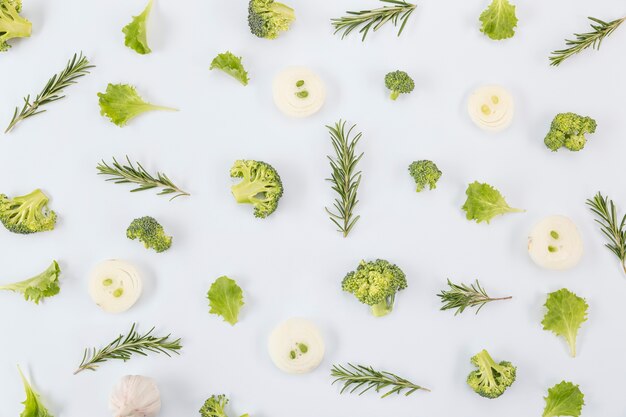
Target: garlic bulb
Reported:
point(135, 396)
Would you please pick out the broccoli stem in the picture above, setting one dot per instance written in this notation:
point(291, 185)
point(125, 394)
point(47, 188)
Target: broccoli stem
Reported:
point(382, 309)
point(394, 94)
point(245, 191)
point(283, 10)
point(16, 26)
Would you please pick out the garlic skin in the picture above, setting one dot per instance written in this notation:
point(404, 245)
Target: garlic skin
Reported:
point(135, 396)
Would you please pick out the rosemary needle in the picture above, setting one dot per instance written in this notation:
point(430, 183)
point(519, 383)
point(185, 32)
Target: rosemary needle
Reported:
point(462, 296)
point(399, 11)
point(360, 379)
point(611, 226)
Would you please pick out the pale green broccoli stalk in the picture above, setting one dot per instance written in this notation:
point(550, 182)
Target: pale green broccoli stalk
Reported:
point(425, 173)
point(12, 25)
point(568, 130)
point(215, 407)
point(268, 18)
point(375, 283)
point(260, 186)
point(27, 213)
point(399, 82)
point(491, 379)
point(150, 233)
point(40, 286)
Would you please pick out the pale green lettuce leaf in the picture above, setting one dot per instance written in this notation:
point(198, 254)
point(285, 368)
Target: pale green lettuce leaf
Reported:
point(231, 65)
point(136, 32)
point(121, 103)
point(32, 404)
point(485, 202)
point(226, 299)
point(564, 399)
point(499, 20)
point(566, 313)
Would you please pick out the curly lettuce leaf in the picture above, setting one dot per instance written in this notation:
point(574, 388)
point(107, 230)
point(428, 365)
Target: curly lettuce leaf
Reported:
point(226, 299)
point(136, 32)
point(231, 65)
point(566, 313)
point(485, 202)
point(564, 399)
point(38, 287)
point(32, 404)
point(121, 103)
point(499, 20)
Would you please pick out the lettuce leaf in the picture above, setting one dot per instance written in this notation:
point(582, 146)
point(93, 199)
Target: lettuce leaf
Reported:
point(121, 103)
point(136, 32)
point(564, 399)
point(484, 203)
point(38, 287)
point(566, 313)
point(499, 20)
point(225, 299)
point(32, 404)
point(231, 65)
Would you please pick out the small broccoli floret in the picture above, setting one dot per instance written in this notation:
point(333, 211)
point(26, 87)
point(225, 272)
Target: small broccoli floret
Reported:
point(12, 25)
point(491, 379)
point(267, 18)
point(399, 82)
point(568, 130)
point(260, 186)
point(375, 284)
point(214, 407)
point(150, 232)
point(38, 287)
point(425, 173)
point(27, 214)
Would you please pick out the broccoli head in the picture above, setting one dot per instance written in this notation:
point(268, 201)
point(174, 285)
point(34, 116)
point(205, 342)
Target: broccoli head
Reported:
point(425, 173)
point(568, 130)
point(491, 379)
point(260, 186)
point(27, 214)
point(214, 407)
point(267, 18)
point(399, 82)
point(375, 284)
point(12, 25)
point(38, 287)
point(150, 233)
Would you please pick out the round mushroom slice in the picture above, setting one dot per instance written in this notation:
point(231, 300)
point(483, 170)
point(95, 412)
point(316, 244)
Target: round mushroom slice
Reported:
point(115, 285)
point(491, 108)
point(555, 243)
point(298, 92)
point(296, 346)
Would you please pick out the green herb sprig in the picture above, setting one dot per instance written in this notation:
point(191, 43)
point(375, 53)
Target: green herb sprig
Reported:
point(76, 67)
point(400, 11)
point(125, 346)
point(344, 177)
point(610, 225)
point(125, 174)
point(462, 296)
point(360, 379)
point(593, 39)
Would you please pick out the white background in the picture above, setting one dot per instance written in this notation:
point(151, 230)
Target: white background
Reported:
point(292, 263)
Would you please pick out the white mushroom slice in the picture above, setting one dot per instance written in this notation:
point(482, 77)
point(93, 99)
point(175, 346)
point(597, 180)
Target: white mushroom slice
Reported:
point(555, 243)
point(298, 92)
point(491, 108)
point(115, 285)
point(296, 346)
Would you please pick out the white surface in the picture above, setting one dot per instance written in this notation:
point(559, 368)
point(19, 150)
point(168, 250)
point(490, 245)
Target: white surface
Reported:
point(292, 263)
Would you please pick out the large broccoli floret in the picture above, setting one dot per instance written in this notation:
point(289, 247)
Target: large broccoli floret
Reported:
point(267, 18)
point(40, 286)
point(150, 233)
point(12, 25)
point(491, 379)
point(260, 186)
point(399, 82)
point(27, 214)
point(375, 284)
point(215, 407)
point(568, 130)
point(425, 173)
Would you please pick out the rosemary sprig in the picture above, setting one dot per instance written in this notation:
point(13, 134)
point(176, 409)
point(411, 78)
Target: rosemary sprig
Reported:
point(400, 11)
point(344, 177)
point(463, 296)
point(363, 378)
point(76, 67)
point(125, 174)
point(592, 39)
point(611, 226)
point(125, 346)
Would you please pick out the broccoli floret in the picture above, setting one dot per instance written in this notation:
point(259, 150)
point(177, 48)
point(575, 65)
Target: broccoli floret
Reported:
point(12, 25)
point(40, 286)
point(491, 379)
point(375, 284)
point(150, 233)
point(27, 214)
point(267, 18)
point(260, 186)
point(399, 82)
point(568, 130)
point(214, 407)
point(425, 173)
